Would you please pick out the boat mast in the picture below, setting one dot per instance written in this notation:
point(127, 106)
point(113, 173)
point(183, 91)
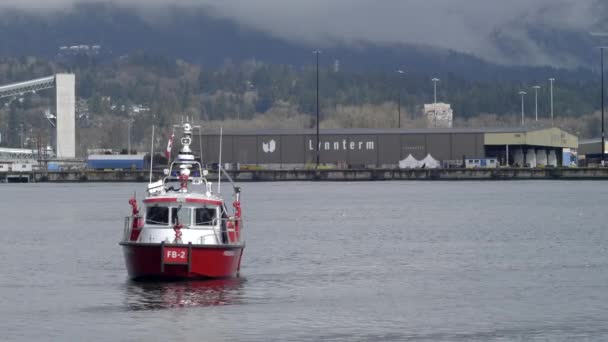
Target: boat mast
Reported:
point(151, 154)
point(200, 144)
point(219, 166)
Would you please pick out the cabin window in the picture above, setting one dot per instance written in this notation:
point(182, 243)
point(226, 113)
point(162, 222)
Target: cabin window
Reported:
point(205, 216)
point(157, 215)
point(182, 215)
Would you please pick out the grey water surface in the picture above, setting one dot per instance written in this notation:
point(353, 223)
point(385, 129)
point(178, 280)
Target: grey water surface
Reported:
point(419, 261)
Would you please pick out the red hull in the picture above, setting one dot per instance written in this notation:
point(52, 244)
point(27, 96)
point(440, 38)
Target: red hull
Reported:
point(146, 261)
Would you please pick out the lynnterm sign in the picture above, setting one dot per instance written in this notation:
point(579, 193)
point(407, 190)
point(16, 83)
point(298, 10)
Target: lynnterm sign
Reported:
point(343, 145)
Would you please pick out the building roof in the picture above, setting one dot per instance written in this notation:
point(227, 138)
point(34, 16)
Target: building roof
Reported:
point(549, 137)
point(339, 131)
point(591, 141)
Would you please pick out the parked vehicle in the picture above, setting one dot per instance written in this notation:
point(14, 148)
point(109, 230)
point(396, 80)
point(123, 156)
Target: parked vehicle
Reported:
point(481, 163)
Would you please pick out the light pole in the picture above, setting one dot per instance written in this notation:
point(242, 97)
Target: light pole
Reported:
point(522, 93)
point(317, 52)
point(129, 136)
point(536, 87)
point(399, 100)
point(603, 95)
point(551, 80)
point(435, 80)
point(602, 34)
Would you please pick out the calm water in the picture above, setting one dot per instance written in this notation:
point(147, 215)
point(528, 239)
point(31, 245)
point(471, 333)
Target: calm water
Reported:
point(428, 261)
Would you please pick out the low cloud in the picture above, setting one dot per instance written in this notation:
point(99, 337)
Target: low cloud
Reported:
point(481, 27)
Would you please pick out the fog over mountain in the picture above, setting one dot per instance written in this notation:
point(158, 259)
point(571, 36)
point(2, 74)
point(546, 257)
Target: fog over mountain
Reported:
point(522, 32)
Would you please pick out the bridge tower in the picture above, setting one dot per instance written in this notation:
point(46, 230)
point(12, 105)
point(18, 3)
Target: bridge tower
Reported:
point(65, 102)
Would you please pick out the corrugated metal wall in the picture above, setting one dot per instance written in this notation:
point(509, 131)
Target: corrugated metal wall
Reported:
point(353, 149)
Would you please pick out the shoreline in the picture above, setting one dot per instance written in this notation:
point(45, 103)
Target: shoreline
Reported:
point(334, 175)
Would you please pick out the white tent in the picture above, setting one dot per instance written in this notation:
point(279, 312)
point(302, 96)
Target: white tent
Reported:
point(429, 162)
point(409, 163)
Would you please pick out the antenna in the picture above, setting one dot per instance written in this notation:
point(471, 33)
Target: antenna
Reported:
point(171, 150)
point(219, 167)
point(151, 154)
point(200, 144)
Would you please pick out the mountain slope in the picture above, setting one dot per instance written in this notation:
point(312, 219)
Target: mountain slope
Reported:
point(197, 36)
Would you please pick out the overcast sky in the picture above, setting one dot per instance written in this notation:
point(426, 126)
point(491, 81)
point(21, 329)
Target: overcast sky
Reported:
point(463, 25)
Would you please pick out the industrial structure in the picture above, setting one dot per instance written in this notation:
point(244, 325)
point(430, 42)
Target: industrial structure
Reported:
point(360, 148)
point(65, 107)
point(439, 115)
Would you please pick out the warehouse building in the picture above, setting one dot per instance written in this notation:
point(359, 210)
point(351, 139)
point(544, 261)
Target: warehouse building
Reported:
point(356, 148)
point(590, 151)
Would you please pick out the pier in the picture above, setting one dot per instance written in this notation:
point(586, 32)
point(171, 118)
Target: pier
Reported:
point(322, 175)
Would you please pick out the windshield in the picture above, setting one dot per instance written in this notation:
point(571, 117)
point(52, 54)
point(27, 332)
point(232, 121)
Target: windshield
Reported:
point(181, 215)
point(157, 215)
point(205, 216)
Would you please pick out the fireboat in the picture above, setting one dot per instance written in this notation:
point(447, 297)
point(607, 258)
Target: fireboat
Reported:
point(185, 231)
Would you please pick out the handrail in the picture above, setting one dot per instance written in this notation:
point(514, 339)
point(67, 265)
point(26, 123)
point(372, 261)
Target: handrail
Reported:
point(216, 229)
point(238, 238)
point(127, 228)
point(234, 187)
point(191, 179)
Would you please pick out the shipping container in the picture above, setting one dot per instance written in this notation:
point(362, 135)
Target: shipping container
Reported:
point(116, 162)
point(53, 166)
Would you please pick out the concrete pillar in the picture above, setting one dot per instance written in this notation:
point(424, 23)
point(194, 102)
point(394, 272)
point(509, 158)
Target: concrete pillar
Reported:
point(518, 157)
point(552, 158)
point(541, 157)
point(531, 157)
point(65, 86)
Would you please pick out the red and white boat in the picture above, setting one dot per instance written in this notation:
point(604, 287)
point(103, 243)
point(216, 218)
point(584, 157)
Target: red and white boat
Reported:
point(186, 231)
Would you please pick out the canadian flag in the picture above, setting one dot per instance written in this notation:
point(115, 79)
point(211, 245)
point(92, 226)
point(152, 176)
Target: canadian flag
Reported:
point(169, 146)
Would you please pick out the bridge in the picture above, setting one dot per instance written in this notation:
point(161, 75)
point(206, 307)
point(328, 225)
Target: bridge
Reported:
point(65, 102)
point(17, 154)
point(32, 86)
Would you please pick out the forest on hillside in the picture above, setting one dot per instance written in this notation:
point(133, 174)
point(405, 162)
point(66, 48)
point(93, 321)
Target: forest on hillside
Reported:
point(140, 90)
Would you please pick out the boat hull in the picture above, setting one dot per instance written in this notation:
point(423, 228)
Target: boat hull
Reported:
point(154, 261)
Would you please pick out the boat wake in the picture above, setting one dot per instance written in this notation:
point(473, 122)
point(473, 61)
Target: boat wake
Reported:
point(142, 296)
